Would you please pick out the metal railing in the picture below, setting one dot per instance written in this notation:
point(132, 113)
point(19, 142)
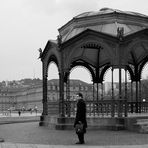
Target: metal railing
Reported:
point(107, 108)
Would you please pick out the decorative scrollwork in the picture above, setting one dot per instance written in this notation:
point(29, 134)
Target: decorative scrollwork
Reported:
point(92, 45)
point(132, 67)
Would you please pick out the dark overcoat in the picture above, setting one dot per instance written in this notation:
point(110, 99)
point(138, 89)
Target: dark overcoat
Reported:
point(81, 114)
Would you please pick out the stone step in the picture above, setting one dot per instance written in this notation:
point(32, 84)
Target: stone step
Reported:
point(140, 121)
point(142, 125)
point(144, 129)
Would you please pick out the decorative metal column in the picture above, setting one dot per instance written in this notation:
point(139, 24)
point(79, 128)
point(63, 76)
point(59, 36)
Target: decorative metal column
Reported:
point(131, 96)
point(94, 109)
point(45, 105)
point(120, 35)
point(97, 92)
point(112, 104)
point(102, 91)
point(126, 107)
point(120, 95)
point(61, 100)
point(61, 81)
point(68, 95)
point(98, 99)
point(140, 99)
point(136, 77)
point(136, 96)
point(104, 107)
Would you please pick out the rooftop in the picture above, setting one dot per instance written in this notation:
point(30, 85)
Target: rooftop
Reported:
point(106, 21)
point(108, 11)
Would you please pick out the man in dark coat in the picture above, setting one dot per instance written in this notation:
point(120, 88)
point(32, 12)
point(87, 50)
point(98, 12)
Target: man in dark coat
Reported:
point(81, 117)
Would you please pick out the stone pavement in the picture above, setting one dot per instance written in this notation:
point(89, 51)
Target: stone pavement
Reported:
point(18, 145)
point(31, 135)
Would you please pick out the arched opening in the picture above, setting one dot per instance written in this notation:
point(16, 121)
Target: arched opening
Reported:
point(53, 71)
point(144, 74)
point(80, 78)
point(144, 84)
point(117, 89)
point(53, 88)
point(81, 73)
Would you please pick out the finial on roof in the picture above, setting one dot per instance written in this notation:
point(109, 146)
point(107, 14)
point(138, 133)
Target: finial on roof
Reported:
point(59, 39)
point(104, 9)
point(120, 33)
point(40, 52)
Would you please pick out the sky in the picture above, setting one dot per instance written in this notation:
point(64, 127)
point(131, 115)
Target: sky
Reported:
point(27, 25)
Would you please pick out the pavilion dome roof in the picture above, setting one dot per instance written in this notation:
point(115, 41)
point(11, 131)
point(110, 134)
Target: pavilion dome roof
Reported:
point(108, 11)
point(106, 21)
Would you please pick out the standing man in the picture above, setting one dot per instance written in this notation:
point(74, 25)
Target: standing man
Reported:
point(81, 117)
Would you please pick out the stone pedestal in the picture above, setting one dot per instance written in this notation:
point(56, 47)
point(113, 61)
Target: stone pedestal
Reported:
point(48, 121)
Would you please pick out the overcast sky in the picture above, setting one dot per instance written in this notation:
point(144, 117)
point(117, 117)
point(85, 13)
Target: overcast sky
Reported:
point(27, 25)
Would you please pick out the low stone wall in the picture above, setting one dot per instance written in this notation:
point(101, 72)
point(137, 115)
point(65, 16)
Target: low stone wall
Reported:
point(9, 120)
point(93, 123)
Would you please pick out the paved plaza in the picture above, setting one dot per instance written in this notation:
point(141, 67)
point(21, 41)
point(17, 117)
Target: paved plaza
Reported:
point(31, 135)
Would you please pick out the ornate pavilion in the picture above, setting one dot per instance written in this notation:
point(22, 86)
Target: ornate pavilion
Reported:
point(99, 41)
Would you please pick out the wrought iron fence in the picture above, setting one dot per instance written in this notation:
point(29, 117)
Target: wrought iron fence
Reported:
point(107, 108)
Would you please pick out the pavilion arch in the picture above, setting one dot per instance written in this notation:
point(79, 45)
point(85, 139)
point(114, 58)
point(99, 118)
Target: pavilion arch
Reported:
point(99, 41)
point(54, 60)
point(50, 67)
point(83, 64)
point(104, 71)
point(90, 47)
point(50, 54)
point(131, 74)
point(143, 65)
point(136, 53)
point(88, 69)
point(95, 53)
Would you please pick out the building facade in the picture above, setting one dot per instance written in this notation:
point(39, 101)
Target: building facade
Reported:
point(31, 97)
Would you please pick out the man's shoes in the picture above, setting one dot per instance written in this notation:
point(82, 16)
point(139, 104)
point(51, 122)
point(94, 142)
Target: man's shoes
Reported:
point(80, 142)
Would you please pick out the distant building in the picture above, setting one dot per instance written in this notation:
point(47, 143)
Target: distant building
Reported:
point(31, 97)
